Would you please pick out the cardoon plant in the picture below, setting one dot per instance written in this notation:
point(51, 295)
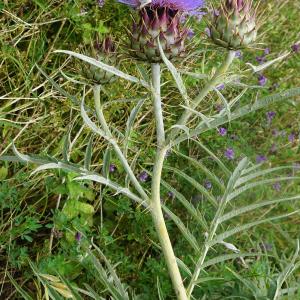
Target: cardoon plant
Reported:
point(158, 37)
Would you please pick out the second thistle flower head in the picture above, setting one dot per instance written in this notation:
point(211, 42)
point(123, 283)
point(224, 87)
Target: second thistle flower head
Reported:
point(233, 25)
point(104, 51)
point(160, 19)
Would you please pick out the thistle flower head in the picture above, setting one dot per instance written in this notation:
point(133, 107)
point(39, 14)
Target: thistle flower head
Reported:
point(234, 26)
point(104, 51)
point(160, 20)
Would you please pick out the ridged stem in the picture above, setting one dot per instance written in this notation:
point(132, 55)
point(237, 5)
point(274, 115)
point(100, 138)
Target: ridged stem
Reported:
point(155, 204)
point(112, 140)
point(215, 80)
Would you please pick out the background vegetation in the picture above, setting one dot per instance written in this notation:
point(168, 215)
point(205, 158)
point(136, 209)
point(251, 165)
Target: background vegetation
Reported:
point(39, 217)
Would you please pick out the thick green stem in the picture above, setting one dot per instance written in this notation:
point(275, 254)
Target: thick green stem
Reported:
point(111, 139)
point(155, 204)
point(215, 80)
point(157, 104)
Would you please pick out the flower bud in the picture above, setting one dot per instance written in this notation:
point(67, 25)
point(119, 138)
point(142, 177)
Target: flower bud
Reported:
point(234, 26)
point(104, 51)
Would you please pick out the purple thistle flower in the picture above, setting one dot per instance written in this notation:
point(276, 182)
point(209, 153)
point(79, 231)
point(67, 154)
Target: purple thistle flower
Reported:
point(296, 47)
point(229, 153)
point(222, 131)
point(270, 116)
point(112, 168)
point(267, 51)
point(262, 80)
point(277, 186)
point(187, 5)
point(143, 177)
point(260, 159)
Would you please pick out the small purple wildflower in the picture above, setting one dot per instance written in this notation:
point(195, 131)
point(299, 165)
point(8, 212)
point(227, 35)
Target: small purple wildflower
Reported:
point(260, 59)
point(260, 159)
point(267, 51)
point(220, 87)
point(112, 168)
point(229, 153)
point(296, 48)
point(207, 32)
point(143, 177)
point(270, 116)
point(277, 186)
point(216, 12)
point(239, 54)
point(207, 184)
point(101, 3)
point(292, 137)
point(262, 80)
point(78, 236)
point(222, 131)
point(190, 33)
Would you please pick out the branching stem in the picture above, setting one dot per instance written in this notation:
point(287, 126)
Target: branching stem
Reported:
point(215, 80)
point(155, 204)
point(101, 119)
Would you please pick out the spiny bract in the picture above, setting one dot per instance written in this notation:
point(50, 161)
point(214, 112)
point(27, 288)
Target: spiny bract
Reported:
point(233, 25)
point(105, 52)
point(160, 19)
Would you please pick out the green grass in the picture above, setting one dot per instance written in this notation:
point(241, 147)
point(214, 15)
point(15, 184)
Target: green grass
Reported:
point(37, 118)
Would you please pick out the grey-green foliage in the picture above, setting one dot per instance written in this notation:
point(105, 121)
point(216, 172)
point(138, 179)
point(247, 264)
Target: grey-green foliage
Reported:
point(244, 177)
